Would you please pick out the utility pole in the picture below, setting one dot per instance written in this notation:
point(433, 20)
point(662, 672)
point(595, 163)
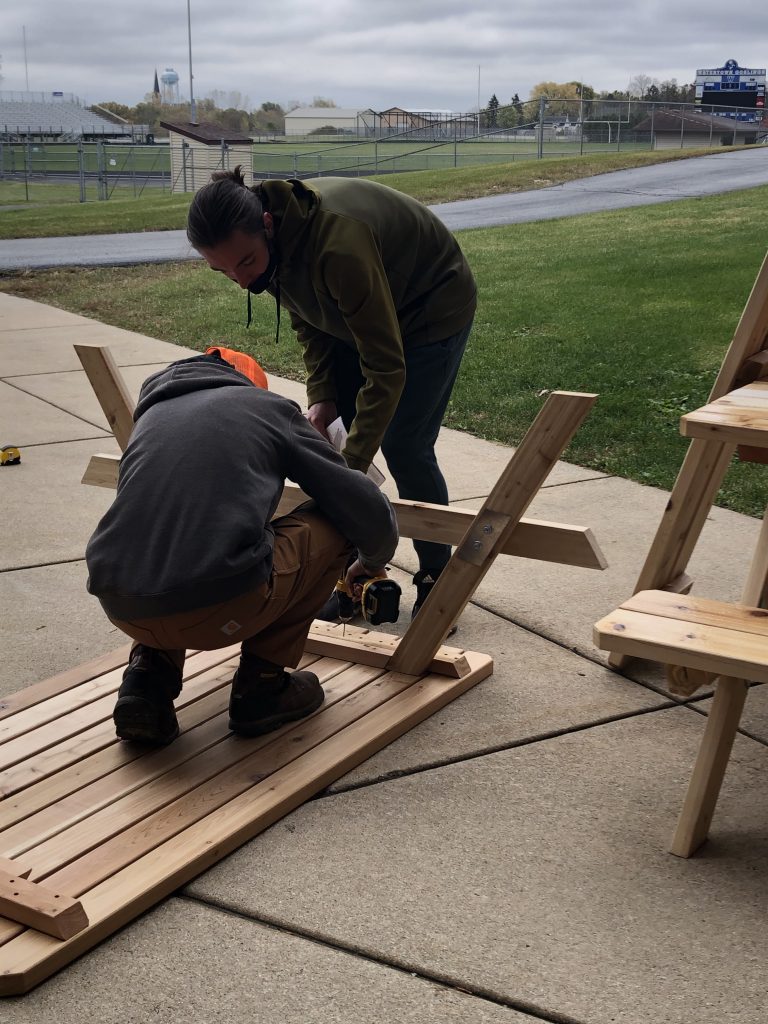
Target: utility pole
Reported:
point(26, 69)
point(192, 109)
point(478, 99)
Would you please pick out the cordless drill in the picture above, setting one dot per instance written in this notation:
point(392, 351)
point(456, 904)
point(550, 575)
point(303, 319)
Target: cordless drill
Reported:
point(379, 599)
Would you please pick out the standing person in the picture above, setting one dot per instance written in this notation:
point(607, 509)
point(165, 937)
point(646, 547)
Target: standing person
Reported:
point(382, 301)
point(189, 556)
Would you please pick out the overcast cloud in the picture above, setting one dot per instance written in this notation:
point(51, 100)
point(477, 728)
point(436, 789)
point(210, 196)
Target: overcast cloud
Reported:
point(378, 53)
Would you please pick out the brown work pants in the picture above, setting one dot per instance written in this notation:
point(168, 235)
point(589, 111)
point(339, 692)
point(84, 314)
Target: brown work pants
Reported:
point(273, 620)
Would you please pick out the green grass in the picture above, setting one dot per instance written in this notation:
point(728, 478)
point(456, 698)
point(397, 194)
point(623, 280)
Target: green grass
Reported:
point(158, 212)
point(637, 305)
point(152, 212)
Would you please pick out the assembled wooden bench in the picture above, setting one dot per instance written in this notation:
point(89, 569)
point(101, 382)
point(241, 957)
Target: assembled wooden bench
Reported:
point(94, 831)
point(711, 637)
point(706, 642)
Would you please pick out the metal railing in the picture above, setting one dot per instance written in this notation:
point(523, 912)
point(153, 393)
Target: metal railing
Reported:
point(80, 170)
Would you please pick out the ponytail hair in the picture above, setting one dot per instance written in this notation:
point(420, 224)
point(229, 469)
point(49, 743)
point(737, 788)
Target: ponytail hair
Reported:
point(225, 205)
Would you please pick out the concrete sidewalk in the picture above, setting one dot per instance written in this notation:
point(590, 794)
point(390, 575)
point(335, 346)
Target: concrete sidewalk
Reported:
point(504, 861)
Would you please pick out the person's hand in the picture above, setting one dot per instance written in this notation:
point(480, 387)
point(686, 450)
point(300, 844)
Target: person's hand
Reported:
point(321, 415)
point(356, 570)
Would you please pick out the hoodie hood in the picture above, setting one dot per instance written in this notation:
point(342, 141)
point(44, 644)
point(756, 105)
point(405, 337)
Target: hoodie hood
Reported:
point(199, 373)
point(293, 205)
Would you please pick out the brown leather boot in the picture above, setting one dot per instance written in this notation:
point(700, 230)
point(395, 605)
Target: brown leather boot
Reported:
point(144, 710)
point(265, 696)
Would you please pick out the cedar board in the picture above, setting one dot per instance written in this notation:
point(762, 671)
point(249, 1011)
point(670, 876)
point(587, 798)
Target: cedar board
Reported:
point(121, 827)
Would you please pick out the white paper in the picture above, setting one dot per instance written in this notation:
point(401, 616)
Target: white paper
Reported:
point(337, 433)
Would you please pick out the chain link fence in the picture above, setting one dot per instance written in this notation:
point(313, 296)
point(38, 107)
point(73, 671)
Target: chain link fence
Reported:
point(531, 130)
point(81, 171)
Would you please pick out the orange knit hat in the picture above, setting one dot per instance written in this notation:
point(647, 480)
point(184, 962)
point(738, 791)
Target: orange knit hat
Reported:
point(247, 365)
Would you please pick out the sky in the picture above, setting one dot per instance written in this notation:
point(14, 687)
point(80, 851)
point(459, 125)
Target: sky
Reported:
point(419, 54)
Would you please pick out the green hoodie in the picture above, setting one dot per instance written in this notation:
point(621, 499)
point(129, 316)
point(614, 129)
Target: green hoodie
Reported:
point(363, 264)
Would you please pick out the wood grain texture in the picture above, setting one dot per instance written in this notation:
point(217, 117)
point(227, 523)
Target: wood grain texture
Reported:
point(129, 832)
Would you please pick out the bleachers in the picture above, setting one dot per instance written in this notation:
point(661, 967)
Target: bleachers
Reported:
point(28, 118)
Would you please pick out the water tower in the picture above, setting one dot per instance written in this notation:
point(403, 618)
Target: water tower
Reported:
point(170, 90)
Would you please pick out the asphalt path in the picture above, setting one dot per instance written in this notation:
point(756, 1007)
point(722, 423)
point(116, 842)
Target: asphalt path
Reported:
point(641, 186)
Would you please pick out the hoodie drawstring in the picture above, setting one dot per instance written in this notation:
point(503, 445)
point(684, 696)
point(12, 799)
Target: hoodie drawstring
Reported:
point(277, 304)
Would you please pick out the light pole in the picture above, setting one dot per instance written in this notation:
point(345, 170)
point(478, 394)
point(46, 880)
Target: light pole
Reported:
point(192, 110)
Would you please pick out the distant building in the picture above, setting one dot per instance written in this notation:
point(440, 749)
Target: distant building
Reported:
point(305, 120)
point(428, 124)
point(199, 149)
point(676, 128)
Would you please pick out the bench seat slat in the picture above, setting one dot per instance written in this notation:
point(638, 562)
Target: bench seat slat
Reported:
point(714, 636)
point(702, 610)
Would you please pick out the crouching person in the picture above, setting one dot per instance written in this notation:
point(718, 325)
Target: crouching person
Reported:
point(189, 556)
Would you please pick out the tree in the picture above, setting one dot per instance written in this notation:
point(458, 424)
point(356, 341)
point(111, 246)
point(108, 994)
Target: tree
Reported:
point(639, 85)
point(234, 120)
point(270, 117)
point(322, 101)
point(563, 99)
point(669, 92)
point(492, 112)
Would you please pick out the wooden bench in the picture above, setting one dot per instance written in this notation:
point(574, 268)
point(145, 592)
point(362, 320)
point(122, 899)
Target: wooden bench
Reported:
point(696, 634)
point(106, 829)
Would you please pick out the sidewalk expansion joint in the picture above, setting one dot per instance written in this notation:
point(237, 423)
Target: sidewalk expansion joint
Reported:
point(73, 369)
point(592, 660)
point(53, 405)
point(446, 981)
point(74, 440)
point(41, 565)
point(497, 748)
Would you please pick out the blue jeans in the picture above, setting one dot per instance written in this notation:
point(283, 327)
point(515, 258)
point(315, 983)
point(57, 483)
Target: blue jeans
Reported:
point(409, 442)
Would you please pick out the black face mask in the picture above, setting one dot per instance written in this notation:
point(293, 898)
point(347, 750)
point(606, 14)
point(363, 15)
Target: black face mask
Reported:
point(261, 283)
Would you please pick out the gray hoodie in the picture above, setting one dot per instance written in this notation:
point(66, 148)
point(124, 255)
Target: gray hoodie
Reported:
point(199, 483)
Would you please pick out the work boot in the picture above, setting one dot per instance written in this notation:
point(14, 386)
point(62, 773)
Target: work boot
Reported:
point(424, 581)
point(265, 696)
point(144, 712)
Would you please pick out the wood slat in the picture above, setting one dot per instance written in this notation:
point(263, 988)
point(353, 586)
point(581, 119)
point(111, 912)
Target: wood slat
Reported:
point(109, 387)
point(123, 805)
point(672, 641)
point(367, 647)
point(700, 610)
point(39, 739)
point(99, 752)
point(31, 957)
point(239, 767)
point(532, 538)
point(40, 908)
point(731, 426)
point(78, 744)
point(31, 812)
point(343, 679)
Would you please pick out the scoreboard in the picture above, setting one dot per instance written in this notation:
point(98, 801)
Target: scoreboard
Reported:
point(732, 87)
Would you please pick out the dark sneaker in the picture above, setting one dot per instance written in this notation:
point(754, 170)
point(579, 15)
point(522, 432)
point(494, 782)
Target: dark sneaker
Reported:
point(144, 711)
point(424, 581)
point(262, 701)
point(330, 612)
